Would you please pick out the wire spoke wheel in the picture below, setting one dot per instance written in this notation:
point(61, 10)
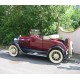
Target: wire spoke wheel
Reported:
point(55, 56)
point(13, 50)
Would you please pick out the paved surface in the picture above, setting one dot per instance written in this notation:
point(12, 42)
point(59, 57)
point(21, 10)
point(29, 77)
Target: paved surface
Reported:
point(37, 65)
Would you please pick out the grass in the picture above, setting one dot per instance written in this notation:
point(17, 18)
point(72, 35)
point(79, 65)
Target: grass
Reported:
point(4, 47)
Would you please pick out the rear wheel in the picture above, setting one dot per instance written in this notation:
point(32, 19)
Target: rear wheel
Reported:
point(13, 50)
point(55, 56)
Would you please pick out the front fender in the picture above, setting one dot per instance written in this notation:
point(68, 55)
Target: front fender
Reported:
point(16, 44)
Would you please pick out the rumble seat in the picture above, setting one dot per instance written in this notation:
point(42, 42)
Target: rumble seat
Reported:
point(51, 36)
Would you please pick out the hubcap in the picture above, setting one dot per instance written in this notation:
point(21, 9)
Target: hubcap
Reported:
point(13, 50)
point(56, 56)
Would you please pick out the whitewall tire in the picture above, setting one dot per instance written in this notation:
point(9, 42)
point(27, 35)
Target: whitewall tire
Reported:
point(55, 56)
point(13, 50)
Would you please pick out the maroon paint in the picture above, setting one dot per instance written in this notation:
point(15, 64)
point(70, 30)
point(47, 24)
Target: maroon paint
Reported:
point(38, 43)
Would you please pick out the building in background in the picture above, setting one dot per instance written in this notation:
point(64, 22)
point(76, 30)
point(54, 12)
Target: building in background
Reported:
point(74, 36)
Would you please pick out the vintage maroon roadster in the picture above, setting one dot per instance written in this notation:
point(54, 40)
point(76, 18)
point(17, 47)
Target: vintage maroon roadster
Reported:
point(52, 47)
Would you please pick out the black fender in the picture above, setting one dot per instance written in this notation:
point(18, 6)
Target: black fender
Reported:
point(59, 48)
point(17, 45)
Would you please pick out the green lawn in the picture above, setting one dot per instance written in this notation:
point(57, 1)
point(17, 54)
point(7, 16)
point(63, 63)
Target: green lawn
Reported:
point(4, 47)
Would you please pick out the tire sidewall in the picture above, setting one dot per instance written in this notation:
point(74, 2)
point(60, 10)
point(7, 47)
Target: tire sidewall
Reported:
point(17, 51)
point(52, 52)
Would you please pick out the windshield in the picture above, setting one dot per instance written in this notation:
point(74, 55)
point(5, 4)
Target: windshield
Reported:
point(35, 32)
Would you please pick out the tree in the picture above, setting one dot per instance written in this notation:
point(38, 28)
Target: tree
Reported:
point(16, 20)
point(76, 17)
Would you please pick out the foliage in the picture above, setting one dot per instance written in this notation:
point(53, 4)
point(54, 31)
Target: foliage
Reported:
point(16, 20)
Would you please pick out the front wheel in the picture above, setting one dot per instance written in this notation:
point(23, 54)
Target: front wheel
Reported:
point(55, 56)
point(13, 50)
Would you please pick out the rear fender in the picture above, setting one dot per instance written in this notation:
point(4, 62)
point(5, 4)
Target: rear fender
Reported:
point(59, 48)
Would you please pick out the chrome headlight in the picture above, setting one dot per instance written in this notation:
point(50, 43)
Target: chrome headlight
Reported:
point(16, 39)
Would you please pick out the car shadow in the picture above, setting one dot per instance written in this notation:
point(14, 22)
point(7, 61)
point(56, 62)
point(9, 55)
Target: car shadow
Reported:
point(33, 59)
point(74, 59)
point(26, 58)
point(70, 68)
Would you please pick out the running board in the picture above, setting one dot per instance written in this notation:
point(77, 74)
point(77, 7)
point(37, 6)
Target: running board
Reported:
point(37, 54)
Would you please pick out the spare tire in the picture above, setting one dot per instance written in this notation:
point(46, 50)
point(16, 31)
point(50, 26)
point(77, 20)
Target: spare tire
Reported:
point(67, 41)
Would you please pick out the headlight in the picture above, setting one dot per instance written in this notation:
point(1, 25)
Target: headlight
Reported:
point(16, 39)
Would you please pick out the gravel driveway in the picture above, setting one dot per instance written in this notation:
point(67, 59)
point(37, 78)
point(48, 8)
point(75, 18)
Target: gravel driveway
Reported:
point(37, 65)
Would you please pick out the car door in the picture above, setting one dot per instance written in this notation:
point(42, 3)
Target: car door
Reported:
point(24, 42)
point(47, 44)
point(36, 43)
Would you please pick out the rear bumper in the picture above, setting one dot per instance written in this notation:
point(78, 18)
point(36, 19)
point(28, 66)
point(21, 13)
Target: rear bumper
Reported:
point(69, 55)
point(70, 50)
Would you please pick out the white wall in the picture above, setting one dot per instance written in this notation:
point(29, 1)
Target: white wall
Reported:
point(74, 36)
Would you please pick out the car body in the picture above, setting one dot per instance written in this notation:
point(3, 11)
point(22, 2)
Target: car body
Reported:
point(53, 48)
